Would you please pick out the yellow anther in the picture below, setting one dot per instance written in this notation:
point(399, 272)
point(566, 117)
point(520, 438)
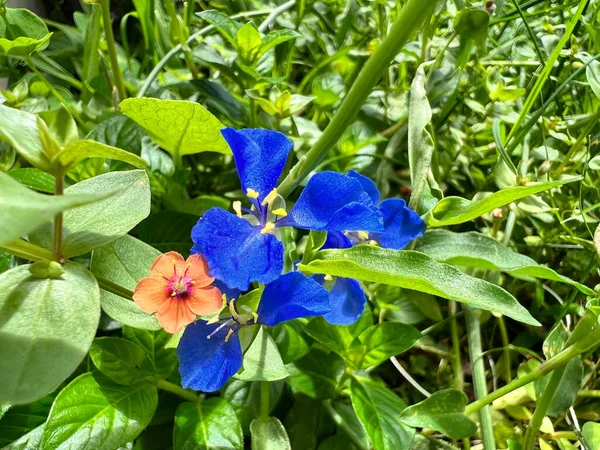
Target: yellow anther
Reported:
point(363, 235)
point(159, 274)
point(173, 294)
point(229, 333)
point(270, 198)
point(373, 242)
point(328, 277)
point(174, 261)
point(193, 282)
point(237, 207)
point(251, 193)
point(279, 212)
point(224, 298)
point(270, 226)
point(213, 320)
point(255, 316)
point(234, 313)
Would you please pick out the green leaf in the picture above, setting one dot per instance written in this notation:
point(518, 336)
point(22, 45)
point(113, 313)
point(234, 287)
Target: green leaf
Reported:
point(61, 125)
point(22, 46)
point(19, 420)
point(303, 422)
point(77, 151)
point(93, 412)
point(417, 271)
point(335, 338)
point(248, 42)
point(591, 434)
point(117, 358)
point(168, 230)
point(23, 22)
point(444, 411)
point(161, 361)
point(121, 132)
point(473, 23)
point(209, 424)
point(224, 25)
point(455, 210)
point(262, 361)
point(475, 250)
point(180, 127)
point(592, 72)
point(244, 397)
point(270, 435)
point(29, 441)
point(47, 327)
point(19, 128)
point(291, 341)
point(568, 387)
point(275, 38)
point(316, 374)
point(34, 179)
point(105, 221)
point(386, 340)
point(125, 262)
point(378, 409)
point(420, 143)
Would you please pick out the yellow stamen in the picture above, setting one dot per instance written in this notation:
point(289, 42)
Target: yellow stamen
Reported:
point(234, 313)
point(268, 227)
point(174, 261)
point(363, 235)
point(229, 333)
point(193, 281)
point(328, 277)
point(279, 212)
point(270, 198)
point(255, 316)
point(251, 193)
point(237, 207)
point(373, 242)
point(213, 320)
point(159, 274)
point(173, 294)
point(224, 298)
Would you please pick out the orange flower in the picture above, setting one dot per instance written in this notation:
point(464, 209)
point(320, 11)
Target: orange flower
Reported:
point(178, 291)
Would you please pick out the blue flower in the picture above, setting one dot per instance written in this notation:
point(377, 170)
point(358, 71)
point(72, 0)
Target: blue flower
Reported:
point(242, 248)
point(210, 353)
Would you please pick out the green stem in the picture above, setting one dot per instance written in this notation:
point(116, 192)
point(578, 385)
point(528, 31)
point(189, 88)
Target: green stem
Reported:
point(341, 423)
point(506, 345)
point(112, 50)
point(114, 288)
point(590, 341)
point(265, 401)
point(589, 393)
point(541, 408)
point(479, 383)
point(177, 390)
point(57, 94)
point(58, 219)
point(579, 143)
point(459, 380)
point(410, 19)
point(28, 251)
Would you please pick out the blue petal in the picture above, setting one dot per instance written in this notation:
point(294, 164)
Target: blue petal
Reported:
point(401, 223)
point(206, 364)
point(368, 185)
point(260, 157)
point(336, 239)
point(347, 301)
point(236, 252)
point(333, 201)
point(290, 297)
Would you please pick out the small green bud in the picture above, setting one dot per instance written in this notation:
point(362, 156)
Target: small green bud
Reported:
point(46, 269)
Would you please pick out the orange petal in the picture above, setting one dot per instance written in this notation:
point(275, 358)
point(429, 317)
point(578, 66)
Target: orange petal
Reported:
point(205, 300)
point(150, 294)
point(197, 270)
point(175, 315)
point(165, 265)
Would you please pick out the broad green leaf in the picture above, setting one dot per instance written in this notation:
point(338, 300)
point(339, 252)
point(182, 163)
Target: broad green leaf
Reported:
point(161, 361)
point(117, 358)
point(420, 143)
point(6, 260)
point(444, 411)
point(20, 420)
point(316, 374)
point(592, 73)
point(46, 329)
point(455, 210)
point(208, 424)
point(475, 250)
point(29, 441)
point(180, 127)
point(22, 46)
point(224, 25)
point(121, 132)
point(417, 271)
point(248, 42)
point(379, 409)
point(93, 412)
point(262, 361)
point(80, 150)
point(275, 38)
point(335, 338)
point(23, 22)
point(34, 179)
point(168, 230)
point(569, 385)
point(244, 397)
point(591, 434)
point(19, 128)
point(105, 221)
point(125, 262)
point(386, 340)
point(473, 23)
point(291, 341)
point(303, 420)
point(61, 125)
point(269, 435)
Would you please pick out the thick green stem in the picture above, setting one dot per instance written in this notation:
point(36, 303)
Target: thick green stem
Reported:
point(541, 408)
point(590, 341)
point(177, 390)
point(114, 288)
point(479, 383)
point(411, 17)
point(58, 219)
point(28, 251)
point(265, 401)
point(112, 51)
point(459, 381)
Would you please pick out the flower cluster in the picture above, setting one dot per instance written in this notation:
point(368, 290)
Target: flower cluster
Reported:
point(245, 248)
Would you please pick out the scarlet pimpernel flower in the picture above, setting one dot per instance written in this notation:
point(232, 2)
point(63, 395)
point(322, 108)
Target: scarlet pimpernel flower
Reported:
point(178, 291)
